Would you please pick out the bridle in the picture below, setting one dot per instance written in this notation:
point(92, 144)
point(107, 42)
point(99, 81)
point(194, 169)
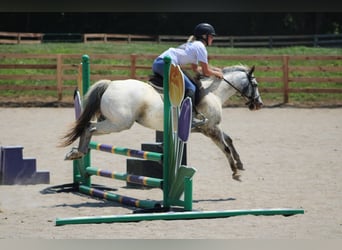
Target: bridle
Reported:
point(251, 99)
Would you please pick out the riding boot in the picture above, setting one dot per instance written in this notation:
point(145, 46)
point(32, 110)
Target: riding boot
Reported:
point(196, 121)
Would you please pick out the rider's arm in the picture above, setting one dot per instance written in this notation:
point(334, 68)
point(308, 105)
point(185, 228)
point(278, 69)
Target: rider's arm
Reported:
point(209, 71)
point(196, 68)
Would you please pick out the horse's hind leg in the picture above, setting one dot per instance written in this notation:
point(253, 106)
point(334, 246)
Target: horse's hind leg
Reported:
point(83, 145)
point(235, 154)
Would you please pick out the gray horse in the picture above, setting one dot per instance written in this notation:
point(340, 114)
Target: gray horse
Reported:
point(114, 106)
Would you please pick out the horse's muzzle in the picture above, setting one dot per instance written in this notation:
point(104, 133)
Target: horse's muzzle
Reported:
point(254, 105)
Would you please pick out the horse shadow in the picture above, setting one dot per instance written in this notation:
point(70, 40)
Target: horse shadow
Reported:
point(72, 188)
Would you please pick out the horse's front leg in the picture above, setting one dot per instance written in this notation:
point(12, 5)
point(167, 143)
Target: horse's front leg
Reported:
point(217, 136)
point(235, 154)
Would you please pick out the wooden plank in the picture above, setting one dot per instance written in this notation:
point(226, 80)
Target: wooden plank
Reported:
point(109, 67)
point(8, 41)
point(316, 68)
point(26, 87)
point(246, 57)
point(31, 35)
point(142, 37)
point(109, 77)
point(143, 67)
point(314, 57)
point(96, 35)
point(26, 56)
point(316, 90)
point(28, 66)
point(27, 77)
point(108, 56)
point(271, 90)
point(70, 66)
point(316, 79)
point(30, 41)
point(147, 56)
point(268, 69)
point(269, 79)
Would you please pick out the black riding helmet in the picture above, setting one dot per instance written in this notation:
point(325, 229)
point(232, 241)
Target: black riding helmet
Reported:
point(204, 29)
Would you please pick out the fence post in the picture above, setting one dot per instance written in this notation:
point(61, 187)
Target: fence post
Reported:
point(270, 42)
point(133, 65)
point(286, 78)
point(315, 41)
point(231, 42)
point(59, 77)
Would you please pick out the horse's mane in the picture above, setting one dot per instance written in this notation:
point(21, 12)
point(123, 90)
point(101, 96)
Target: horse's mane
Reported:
point(238, 67)
point(225, 70)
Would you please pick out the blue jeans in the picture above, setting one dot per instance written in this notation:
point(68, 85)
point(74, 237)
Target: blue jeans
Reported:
point(158, 67)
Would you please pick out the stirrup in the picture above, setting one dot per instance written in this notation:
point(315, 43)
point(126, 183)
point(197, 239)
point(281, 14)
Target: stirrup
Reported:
point(92, 129)
point(197, 122)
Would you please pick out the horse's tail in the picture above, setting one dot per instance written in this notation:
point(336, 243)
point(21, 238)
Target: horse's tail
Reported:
point(92, 106)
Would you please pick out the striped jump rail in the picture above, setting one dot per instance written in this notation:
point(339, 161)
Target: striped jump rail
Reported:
point(147, 155)
point(136, 179)
point(107, 195)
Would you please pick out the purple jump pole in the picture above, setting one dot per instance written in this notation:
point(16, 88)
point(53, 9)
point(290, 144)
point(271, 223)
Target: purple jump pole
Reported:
point(153, 156)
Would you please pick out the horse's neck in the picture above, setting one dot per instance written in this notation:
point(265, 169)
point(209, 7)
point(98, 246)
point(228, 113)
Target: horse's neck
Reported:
point(219, 88)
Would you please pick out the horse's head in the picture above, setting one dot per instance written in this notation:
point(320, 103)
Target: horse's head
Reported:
point(247, 86)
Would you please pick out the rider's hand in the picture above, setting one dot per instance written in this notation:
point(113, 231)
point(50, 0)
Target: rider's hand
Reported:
point(219, 74)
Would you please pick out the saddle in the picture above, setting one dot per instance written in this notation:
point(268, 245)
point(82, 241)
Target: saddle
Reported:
point(156, 81)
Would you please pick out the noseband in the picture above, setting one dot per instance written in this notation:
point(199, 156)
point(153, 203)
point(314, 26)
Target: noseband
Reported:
point(251, 99)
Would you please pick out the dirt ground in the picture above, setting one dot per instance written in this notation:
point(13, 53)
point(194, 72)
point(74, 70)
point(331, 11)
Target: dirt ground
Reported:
point(292, 158)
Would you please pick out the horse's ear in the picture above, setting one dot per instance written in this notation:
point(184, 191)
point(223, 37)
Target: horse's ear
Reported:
point(251, 70)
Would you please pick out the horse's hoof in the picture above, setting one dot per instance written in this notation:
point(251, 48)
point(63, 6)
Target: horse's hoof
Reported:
point(236, 176)
point(73, 154)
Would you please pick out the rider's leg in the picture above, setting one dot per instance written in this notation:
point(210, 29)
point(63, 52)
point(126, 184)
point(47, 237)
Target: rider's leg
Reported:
point(190, 92)
point(158, 72)
point(158, 66)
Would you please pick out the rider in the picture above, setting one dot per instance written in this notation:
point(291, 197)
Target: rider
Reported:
point(192, 52)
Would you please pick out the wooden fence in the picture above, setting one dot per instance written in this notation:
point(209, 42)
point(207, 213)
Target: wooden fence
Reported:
point(226, 41)
point(20, 38)
point(317, 40)
point(59, 73)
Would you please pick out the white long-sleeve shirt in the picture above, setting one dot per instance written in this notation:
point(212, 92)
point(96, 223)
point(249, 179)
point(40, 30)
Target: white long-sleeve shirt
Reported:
point(187, 53)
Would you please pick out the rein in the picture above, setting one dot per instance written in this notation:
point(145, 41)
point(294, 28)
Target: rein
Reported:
point(234, 87)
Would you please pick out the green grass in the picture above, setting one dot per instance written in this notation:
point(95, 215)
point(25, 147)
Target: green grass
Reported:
point(154, 48)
